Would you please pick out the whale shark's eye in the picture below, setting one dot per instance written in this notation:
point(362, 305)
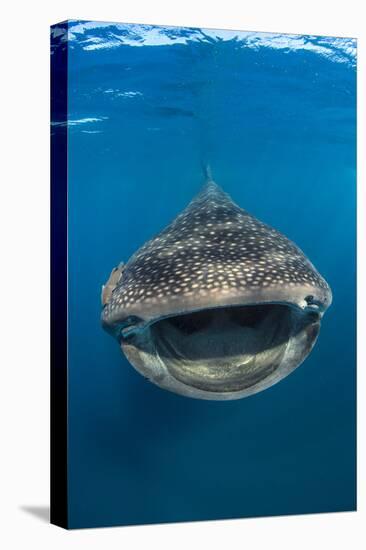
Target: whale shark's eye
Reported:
point(224, 350)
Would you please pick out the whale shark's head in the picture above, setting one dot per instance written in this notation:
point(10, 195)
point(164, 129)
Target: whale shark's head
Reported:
point(218, 305)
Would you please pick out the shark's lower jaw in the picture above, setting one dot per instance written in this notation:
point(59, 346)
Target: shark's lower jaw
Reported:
point(223, 353)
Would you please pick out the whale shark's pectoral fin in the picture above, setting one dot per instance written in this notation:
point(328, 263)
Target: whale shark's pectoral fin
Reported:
point(111, 284)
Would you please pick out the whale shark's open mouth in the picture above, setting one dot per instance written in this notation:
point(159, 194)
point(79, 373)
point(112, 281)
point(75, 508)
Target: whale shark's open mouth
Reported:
point(224, 350)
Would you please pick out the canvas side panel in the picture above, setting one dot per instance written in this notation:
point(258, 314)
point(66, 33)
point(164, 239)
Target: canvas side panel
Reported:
point(59, 65)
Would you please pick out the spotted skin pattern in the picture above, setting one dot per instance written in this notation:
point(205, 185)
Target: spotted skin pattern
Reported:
point(212, 249)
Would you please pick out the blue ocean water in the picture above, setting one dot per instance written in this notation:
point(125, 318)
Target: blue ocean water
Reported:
point(275, 116)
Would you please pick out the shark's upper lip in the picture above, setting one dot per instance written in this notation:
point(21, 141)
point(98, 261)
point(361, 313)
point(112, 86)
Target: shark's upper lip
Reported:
point(140, 318)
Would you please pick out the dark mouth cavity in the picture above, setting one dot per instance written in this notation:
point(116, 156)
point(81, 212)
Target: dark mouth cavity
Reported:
point(198, 321)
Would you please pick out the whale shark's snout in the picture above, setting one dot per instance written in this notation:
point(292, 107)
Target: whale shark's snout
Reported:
point(218, 305)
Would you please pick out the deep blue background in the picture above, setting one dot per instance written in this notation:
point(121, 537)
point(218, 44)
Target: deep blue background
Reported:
point(278, 128)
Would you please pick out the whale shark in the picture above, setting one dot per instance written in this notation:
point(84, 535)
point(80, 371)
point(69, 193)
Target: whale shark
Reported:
point(218, 305)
